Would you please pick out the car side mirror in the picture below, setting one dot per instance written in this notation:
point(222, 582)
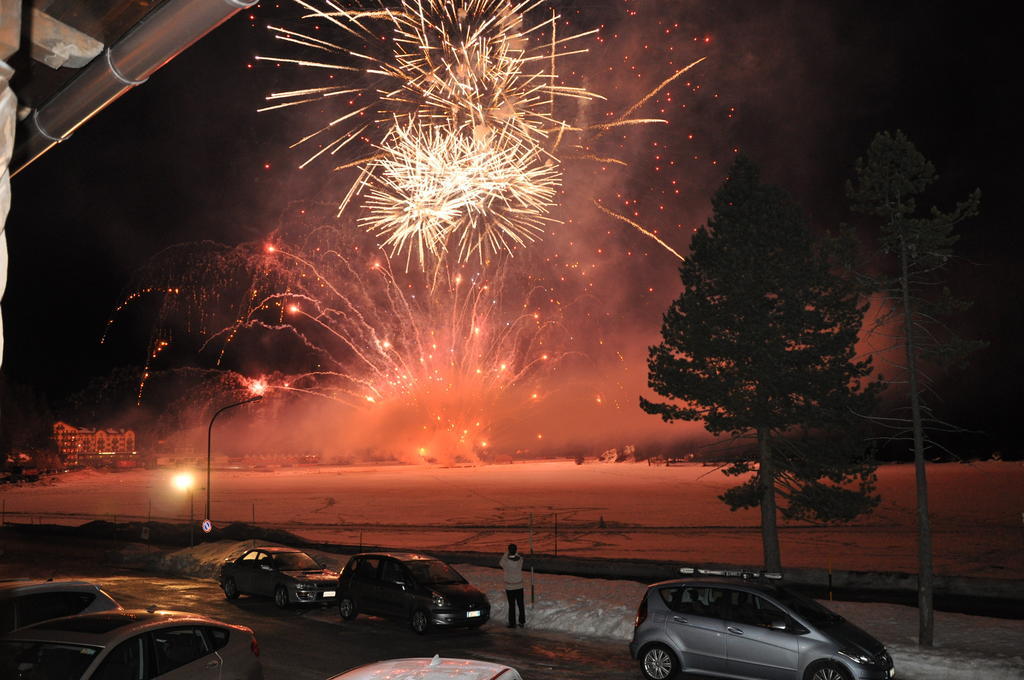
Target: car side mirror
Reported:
point(266, 567)
point(401, 584)
point(777, 624)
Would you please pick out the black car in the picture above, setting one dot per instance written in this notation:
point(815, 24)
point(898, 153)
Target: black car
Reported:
point(286, 574)
point(420, 589)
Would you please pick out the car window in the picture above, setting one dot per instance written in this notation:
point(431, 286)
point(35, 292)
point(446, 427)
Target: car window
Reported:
point(127, 661)
point(366, 567)
point(687, 600)
point(217, 637)
point(720, 601)
point(250, 556)
point(175, 647)
point(392, 572)
point(433, 572)
point(814, 613)
point(756, 610)
point(33, 659)
point(78, 602)
point(294, 561)
point(37, 607)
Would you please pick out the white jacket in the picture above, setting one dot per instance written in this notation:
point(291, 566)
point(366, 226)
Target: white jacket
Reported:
point(512, 565)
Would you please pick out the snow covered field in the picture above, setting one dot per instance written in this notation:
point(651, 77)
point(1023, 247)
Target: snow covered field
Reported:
point(966, 647)
point(661, 513)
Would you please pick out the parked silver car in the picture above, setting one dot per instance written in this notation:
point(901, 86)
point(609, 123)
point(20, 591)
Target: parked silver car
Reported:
point(131, 644)
point(748, 629)
point(431, 669)
point(288, 575)
point(27, 601)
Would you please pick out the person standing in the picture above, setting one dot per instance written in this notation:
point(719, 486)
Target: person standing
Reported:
point(511, 564)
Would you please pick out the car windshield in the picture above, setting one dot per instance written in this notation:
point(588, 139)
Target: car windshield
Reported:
point(34, 659)
point(434, 572)
point(806, 608)
point(294, 561)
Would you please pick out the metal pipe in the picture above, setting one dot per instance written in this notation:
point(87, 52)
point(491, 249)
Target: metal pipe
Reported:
point(162, 35)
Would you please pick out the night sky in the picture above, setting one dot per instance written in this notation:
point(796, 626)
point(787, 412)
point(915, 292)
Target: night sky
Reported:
point(800, 87)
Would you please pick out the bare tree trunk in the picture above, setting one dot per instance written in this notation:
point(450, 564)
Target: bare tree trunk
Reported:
point(926, 614)
point(769, 527)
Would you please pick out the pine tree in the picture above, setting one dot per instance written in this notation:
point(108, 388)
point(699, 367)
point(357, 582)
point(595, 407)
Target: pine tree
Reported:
point(760, 345)
point(889, 178)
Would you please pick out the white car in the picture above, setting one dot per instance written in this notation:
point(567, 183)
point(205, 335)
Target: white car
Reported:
point(27, 601)
point(431, 669)
point(131, 644)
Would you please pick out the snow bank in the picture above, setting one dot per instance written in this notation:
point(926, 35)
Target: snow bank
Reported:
point(201, 561)
point(967, 647)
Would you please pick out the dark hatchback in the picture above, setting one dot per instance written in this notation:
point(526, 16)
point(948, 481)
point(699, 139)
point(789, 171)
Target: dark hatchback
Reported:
point(419, 589)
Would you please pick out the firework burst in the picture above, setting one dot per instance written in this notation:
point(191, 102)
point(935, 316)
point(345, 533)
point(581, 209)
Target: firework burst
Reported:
point(431, 187)
point(460, 134)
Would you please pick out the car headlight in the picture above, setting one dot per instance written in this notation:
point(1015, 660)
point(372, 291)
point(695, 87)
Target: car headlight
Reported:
point(856, 657)
point(438, 600)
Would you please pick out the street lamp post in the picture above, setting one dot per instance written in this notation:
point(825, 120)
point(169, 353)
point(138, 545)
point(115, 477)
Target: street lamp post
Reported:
point(209, 441)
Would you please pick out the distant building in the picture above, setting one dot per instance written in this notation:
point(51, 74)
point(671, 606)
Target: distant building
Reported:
point(111, 447)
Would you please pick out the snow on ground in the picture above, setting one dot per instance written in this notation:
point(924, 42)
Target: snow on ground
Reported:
point(653, 512)
point(966, 647)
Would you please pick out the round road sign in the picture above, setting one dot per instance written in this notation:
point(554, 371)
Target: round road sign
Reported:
point(207, 526)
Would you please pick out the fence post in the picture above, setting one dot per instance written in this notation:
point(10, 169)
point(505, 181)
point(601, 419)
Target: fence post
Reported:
point(556, 534)
point(531, 534)
point(830, 578)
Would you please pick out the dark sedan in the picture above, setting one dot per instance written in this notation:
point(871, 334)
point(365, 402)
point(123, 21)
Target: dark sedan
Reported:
point(420, 589)
point(288, 575)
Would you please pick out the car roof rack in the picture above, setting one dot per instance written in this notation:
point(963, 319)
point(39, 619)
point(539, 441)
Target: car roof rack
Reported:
point(745, 574)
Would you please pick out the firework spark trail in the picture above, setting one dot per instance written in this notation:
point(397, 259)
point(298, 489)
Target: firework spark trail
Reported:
point(624, 117)
point(639, 228)
point(469, 72)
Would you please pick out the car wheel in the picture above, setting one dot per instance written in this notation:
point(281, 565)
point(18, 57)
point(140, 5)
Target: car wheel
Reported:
point(659, 663)
point(420, 622)
point(281, 597)
point(826, 670)
point(230, 588)
point(347, 608)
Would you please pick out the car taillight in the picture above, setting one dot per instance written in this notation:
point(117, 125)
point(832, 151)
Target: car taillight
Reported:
point(641, 612)
point(254, 646)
